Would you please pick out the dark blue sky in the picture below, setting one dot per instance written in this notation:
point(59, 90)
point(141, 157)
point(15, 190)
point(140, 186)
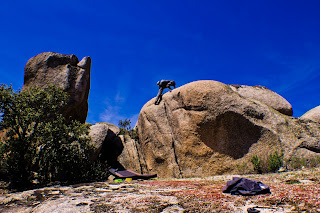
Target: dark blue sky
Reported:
point(133, 44)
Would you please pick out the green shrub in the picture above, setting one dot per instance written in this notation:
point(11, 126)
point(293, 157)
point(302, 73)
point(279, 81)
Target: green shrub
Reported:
point(275, 161)
point(40, 144)
point(297, 163)
point(256, 164)
point(271, 163)
point(301, 162)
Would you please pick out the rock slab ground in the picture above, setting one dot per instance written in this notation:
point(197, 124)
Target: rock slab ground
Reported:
point(297, 191)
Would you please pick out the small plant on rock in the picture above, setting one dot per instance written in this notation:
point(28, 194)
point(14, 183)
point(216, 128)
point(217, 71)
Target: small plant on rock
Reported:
point(301, 162)
point(256, 164)
point(275, 161)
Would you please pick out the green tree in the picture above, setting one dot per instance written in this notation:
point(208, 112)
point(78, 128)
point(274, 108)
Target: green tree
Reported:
point(126, 129)
point(39, 143)
point(126, 124)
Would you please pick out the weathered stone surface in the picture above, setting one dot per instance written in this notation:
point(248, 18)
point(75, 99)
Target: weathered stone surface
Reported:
point(265, 96)
point(206, 128)
point(98, 134)
point(107, 144)
point(65, 71)
point(313, 114)
point(131, 157)
point(120, 151)
point(312, 145)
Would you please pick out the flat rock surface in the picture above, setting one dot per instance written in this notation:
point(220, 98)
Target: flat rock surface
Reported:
point(290, 192)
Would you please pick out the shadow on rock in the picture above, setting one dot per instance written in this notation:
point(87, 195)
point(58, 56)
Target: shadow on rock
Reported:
point(111, 149)
point(230, 133)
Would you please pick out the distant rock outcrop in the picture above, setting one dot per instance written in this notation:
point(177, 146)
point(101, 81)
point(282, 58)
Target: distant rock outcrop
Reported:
point(65, 71)
point(313, 114)
point(206, 128)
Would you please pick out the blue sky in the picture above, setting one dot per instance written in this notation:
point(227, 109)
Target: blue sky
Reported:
point(133, 44)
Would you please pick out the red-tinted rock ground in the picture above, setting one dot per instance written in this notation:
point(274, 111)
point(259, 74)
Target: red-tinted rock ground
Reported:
point(297, 191)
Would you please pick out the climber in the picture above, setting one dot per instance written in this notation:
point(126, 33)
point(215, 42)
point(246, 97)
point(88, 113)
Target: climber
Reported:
point(162, 85)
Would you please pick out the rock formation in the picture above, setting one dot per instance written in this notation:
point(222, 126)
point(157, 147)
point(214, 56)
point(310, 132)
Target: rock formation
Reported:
point(65, 71)
point(131, 156)
point(206, 128)
point(98, 134)
point(313, 114)
point(106, 142)
point(120, 151)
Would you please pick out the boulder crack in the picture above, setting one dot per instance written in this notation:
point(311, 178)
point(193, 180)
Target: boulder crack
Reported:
point(173, 140)
point(312, 146)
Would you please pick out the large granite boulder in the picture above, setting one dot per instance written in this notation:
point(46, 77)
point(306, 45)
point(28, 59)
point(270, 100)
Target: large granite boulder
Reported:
point(312, 114)
point(66, 72)
point(206, 128)
point(265, 96)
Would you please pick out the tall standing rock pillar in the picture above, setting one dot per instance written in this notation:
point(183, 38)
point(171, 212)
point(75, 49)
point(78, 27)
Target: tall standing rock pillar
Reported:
point(66, 72)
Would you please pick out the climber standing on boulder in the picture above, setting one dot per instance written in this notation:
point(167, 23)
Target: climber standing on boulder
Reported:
point(162, 85)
